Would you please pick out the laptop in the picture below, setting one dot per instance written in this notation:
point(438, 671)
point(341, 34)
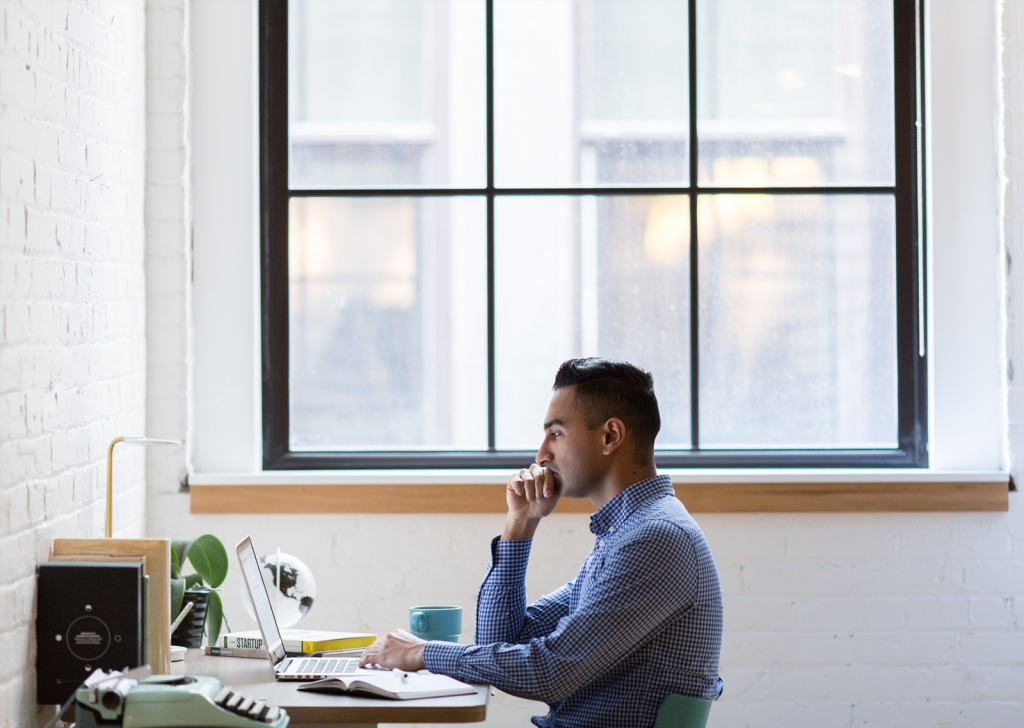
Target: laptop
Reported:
point(285, 667)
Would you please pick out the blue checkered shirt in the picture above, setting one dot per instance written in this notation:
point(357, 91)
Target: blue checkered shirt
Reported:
point(641, 620)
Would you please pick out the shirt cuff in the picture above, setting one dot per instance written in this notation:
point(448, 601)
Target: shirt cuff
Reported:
point(509, 560)
point(443, 657)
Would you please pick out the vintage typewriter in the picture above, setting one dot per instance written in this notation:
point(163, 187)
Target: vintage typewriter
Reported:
point(169, 701)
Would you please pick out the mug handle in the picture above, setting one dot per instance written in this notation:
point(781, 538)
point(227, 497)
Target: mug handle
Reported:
point(419, 622)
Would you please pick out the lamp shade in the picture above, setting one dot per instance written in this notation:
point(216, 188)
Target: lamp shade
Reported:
point(148, 441)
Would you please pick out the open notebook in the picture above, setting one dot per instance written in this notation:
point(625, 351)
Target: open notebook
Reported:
point(396, 685)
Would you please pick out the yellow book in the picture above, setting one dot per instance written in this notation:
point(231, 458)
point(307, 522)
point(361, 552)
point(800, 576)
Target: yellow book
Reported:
point(338, 643)
point(300, 640)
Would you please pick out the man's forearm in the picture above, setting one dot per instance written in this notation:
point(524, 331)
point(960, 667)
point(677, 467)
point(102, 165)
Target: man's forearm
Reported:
point(519, 530)
point(501, 604)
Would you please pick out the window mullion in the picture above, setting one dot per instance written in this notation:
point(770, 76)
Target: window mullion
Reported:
point(491, 415)
point(694, 322)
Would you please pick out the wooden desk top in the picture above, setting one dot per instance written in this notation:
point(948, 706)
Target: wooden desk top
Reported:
point(256, 678)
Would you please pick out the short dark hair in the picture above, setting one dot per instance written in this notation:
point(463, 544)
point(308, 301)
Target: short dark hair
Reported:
point(607, 388)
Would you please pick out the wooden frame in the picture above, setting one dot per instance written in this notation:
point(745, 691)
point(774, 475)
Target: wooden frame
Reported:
point(718, 497)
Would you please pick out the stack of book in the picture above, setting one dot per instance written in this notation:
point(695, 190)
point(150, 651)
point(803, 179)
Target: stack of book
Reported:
point(296, 641)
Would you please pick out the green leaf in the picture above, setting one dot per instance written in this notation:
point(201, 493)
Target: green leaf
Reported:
point(177, 596)
point(209, 558)
point(175, 565)
point(214, 617)
point(193, 580)
point(179, 550)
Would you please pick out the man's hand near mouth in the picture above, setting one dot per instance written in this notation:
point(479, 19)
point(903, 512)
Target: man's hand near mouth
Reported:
point(532, 494)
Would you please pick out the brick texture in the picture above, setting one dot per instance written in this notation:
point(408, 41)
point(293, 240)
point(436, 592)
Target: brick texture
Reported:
point(72, 295)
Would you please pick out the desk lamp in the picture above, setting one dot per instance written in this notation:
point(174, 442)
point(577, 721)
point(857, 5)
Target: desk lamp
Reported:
point(142, 441)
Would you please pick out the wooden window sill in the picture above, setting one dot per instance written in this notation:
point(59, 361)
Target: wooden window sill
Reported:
point(704, 492)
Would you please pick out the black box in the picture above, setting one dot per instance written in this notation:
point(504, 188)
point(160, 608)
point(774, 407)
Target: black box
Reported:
point(89, 616)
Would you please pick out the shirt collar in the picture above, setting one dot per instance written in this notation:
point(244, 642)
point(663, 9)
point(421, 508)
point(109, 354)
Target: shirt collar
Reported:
point(619, 508)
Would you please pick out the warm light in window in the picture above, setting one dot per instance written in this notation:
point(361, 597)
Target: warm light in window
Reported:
point(667, 234)
point(795, 171)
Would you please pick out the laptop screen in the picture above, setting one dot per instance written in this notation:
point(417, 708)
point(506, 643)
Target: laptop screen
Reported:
point(260, 601)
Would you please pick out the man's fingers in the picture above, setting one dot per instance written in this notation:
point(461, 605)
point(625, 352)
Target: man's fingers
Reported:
point(374, 654)
point(549, 483)
point(543, 478)
point(539, 474)
point(368, 655)
point(535, 483)
point(529, 484)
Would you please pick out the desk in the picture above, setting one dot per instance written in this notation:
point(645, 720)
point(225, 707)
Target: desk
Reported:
point(256, 678)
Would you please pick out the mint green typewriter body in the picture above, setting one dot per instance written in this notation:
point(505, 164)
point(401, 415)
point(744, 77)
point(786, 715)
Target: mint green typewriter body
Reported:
point(173, 701)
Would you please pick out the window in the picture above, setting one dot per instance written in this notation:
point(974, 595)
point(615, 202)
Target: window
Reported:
point(457, 195)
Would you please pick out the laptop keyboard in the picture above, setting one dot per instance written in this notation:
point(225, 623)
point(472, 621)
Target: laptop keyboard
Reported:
point(326, 666)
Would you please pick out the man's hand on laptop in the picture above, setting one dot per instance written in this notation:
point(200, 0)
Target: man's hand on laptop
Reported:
point(532, 494)
point(396, 650)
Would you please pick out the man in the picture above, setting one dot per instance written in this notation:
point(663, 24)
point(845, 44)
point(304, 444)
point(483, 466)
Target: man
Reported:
point(641, 620)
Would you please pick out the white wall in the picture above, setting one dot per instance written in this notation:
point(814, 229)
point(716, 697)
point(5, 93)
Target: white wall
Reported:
point(72, 296)
point(226, 235)
point(965, 344)
point(168, 242)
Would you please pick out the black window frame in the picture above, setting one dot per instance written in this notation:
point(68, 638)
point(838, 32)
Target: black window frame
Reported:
point(908, 193)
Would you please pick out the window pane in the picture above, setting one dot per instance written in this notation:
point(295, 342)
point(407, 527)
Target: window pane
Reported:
point(590, 276)
point(590, 92)
point(388, 306)
point(795, 92)
point(385, 93)
point(797, 321)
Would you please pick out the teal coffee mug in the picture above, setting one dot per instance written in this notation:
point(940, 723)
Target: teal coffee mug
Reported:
point(436, 623)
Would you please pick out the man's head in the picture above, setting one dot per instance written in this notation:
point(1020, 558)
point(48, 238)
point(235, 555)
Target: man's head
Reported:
point(602, 413)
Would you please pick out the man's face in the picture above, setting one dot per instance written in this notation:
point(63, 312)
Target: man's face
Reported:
point(569, 448)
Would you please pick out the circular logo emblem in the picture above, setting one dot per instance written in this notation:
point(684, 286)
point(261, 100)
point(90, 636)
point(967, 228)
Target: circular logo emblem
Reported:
point(88, 638)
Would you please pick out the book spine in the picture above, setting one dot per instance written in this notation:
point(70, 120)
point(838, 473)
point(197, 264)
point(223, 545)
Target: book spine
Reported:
point(229, 652)
point(243, 643)
point(329, 645)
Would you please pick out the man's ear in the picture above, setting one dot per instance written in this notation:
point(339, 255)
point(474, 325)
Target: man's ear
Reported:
point(613, 434)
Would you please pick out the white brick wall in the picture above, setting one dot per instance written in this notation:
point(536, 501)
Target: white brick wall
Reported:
point(894, 619)
point(72, 295)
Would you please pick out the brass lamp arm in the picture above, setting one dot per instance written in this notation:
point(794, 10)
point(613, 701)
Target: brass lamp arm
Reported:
point(110, 487)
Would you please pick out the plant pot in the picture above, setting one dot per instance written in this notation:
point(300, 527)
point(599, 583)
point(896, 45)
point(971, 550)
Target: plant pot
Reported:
point(190, 632)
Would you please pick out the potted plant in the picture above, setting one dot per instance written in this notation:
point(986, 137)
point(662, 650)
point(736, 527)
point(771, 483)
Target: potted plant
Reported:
point(209, 558)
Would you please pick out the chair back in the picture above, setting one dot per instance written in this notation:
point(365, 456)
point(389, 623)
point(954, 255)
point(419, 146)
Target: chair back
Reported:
point(679, 711)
